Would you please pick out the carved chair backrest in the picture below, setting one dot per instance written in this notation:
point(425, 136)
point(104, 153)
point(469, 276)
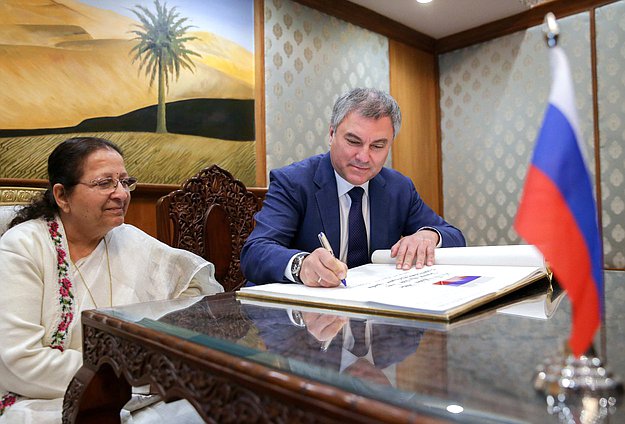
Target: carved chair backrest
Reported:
point(12, 199)
point(211, 215)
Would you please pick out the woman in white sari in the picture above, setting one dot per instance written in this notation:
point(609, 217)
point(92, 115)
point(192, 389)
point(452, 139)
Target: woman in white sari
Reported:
point(70, 251)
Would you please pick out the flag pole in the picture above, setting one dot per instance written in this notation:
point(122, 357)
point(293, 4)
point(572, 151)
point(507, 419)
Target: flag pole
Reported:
point(577, 385)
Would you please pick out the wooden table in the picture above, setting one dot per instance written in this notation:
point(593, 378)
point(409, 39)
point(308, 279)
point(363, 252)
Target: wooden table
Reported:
point(241, 362)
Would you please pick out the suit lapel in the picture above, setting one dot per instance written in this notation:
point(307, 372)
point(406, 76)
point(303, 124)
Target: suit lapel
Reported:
point(379, 201)
point(326, 196)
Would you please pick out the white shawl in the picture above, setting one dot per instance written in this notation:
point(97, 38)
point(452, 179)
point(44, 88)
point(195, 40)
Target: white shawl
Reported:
point(142, 269)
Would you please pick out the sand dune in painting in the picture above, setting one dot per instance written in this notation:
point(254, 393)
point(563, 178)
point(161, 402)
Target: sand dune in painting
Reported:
point(99, 23)
point(41, 35)
point(56, 75)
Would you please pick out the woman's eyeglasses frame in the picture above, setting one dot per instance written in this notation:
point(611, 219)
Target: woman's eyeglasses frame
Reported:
point(109, 184)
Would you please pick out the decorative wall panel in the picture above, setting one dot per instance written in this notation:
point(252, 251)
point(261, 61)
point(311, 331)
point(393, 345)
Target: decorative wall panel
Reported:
point(610, 24)
point(493, 97)
point(310, 59)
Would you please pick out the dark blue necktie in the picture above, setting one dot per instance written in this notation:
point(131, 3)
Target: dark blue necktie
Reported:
point(357, 246)
point(359, 329)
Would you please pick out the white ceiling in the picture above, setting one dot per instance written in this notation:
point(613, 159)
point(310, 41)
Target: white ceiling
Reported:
point(441, 18)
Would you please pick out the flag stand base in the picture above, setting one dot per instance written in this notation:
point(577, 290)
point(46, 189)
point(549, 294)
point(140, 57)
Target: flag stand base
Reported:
point(578, 386)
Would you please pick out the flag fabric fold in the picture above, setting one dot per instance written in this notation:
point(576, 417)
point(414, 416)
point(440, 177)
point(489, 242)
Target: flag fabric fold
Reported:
point(557, 212)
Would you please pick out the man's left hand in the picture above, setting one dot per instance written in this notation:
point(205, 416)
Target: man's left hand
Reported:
point(417, 248)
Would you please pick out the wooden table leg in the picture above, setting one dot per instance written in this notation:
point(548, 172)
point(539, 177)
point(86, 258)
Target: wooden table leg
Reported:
point(95, 396)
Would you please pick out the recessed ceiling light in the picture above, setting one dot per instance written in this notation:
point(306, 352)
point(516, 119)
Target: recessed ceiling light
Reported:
point(423, 1)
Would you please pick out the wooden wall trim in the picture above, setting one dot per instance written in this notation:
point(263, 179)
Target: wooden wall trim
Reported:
point(534, 16)
point(142, 188)
point(416, 150)
point(368, 19)
point(439, 138)
point(23, 182)
point(142, 209)
point(259, 92)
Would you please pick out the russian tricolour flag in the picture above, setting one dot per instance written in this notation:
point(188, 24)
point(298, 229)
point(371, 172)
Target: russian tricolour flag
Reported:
point(557, 212)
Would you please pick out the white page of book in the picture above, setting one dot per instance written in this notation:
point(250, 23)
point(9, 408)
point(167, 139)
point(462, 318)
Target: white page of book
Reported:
point(432, 289)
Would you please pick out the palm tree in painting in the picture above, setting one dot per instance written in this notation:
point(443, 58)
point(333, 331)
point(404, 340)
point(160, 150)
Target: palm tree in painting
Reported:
point(161, 50)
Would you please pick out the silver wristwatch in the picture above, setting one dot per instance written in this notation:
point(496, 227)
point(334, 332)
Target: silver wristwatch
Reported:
point(296, 265)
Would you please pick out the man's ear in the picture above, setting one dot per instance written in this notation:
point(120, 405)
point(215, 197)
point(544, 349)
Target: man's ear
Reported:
point(331, 137)
point(60, 196)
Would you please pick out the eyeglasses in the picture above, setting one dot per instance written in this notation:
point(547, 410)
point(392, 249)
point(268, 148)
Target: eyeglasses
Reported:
point(109, 184)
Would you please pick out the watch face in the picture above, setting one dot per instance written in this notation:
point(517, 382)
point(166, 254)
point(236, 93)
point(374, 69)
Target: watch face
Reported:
point(297, 263)
point(296, 266)
point(298, 319)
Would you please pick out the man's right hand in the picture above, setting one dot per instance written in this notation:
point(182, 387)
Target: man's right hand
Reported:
point(323, 327)
point(322, 269)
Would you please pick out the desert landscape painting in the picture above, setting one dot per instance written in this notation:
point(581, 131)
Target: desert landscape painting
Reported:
point(68, 68)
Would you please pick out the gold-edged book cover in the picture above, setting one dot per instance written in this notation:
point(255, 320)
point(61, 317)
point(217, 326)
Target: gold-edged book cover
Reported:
point(462, 279)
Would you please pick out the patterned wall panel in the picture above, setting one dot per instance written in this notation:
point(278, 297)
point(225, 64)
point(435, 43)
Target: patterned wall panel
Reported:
point(610, 24)
point(310, 59)
point(493, 97)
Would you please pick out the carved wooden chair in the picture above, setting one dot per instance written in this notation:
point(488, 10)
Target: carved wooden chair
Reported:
point(12, 199)
point(211, 215)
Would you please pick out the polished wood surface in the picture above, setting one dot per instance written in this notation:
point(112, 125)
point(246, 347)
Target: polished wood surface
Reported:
point(259, 92)
point(21, 182)
point(416, 151)
point(142, 210)
point(98, 404)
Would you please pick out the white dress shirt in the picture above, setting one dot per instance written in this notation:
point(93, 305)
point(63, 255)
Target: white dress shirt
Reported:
point(343, 187)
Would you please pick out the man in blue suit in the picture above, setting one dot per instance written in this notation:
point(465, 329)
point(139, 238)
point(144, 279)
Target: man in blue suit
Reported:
point(315, 195)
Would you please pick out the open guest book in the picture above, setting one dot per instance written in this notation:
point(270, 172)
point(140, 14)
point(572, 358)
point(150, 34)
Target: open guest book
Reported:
point(462, 279)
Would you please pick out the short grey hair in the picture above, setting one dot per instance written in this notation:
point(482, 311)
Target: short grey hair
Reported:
point(368, 103)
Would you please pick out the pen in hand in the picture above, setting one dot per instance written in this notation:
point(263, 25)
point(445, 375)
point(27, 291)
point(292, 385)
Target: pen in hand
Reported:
point(326, 245)
point(326, 344)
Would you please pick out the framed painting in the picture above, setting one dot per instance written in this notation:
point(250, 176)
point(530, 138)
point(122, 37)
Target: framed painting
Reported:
point(171, 82)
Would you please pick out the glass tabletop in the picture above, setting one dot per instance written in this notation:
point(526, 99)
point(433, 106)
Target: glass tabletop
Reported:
point(479, 368)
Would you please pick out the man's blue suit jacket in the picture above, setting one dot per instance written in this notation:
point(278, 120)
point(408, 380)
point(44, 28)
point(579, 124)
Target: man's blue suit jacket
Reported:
point(302, 201)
